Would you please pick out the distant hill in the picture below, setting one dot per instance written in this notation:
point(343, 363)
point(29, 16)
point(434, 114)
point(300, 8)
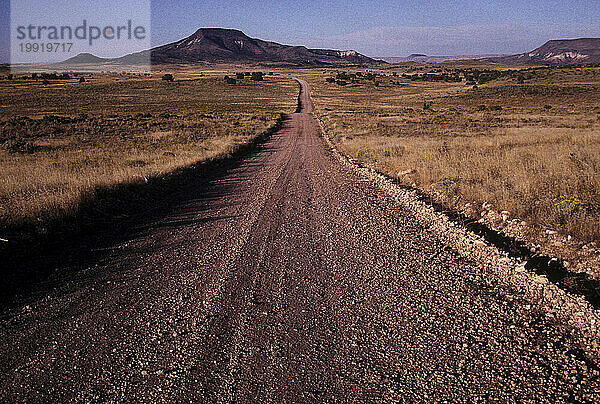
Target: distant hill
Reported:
point(420, 58)
point(85, 58)
point(218, 45)
point(558, 52)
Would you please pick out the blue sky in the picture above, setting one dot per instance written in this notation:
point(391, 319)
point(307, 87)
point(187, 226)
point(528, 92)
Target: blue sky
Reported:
point(376, 28)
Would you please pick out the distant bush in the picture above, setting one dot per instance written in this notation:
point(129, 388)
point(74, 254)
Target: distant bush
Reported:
point(9, 77)
point(343, 76)
point(82, 79)
point(448, 78)
point(239, 76)
point(330, 80)
point(230, 80)
point(135, 163)
point(495, 108)
point(20, 146)
point(341, 83)
point(168, 77)
point(167, 115)
point(257, 76)
point(57, 119)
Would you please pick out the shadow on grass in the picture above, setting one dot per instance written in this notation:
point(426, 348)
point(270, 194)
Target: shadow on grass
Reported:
point(109, 216)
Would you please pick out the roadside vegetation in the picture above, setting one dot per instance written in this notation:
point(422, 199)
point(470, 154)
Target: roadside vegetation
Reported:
point(525, 140)
point(62, 140)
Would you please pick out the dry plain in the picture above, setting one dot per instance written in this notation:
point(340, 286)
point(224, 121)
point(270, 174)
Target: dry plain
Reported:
point(62, 141)
point(523, 141)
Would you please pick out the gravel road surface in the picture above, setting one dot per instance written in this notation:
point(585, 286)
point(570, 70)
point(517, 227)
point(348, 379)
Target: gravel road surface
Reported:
point(287, 279)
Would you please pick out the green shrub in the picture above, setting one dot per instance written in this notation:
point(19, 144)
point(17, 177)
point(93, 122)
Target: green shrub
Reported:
point(168, 77)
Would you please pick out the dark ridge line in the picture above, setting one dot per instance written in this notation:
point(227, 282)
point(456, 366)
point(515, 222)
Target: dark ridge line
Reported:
point(576, 283)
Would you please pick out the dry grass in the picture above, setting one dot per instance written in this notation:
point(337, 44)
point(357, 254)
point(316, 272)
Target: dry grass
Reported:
point(532, 147)
point(59, 142)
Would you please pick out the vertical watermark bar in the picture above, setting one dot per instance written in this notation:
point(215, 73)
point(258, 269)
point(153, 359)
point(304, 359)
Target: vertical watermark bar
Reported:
point(83, 35)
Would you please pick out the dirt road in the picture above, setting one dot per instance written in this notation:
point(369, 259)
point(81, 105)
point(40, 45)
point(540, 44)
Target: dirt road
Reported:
point(289, 278)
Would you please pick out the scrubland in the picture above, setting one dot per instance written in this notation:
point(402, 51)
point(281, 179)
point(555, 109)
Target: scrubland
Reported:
point(526, 141)
point(63, 139)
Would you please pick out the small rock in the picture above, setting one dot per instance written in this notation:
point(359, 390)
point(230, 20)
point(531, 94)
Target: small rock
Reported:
point(406, 172)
